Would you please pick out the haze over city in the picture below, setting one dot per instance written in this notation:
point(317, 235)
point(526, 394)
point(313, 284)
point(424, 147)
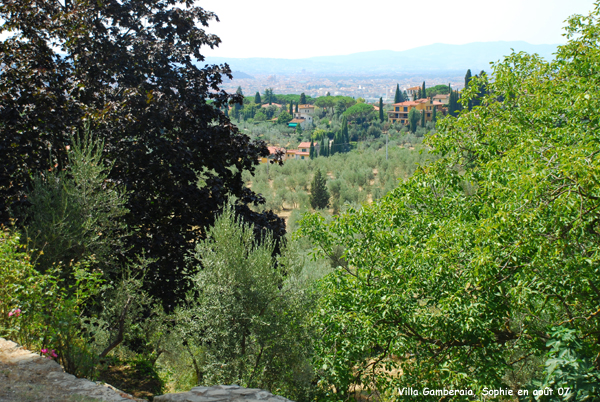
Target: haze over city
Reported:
point(293, 30)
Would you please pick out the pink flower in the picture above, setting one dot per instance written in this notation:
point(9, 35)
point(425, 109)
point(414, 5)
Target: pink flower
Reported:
point(44, 351)
point(16, 312)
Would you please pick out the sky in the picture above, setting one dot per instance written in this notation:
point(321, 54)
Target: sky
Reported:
point(293, 29)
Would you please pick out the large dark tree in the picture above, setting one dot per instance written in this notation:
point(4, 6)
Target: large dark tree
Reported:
point(257, 99)
point(381, 109)
point(302, 99)
point(129, 69)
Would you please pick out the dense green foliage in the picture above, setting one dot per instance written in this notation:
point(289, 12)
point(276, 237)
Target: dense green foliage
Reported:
point(319, 196)
point(471, 272)
point(438, 89)
point(358, 112)
point(247, 321)
point(128, 71)
point(75, 214)
point(352, 178)
point(398, 96)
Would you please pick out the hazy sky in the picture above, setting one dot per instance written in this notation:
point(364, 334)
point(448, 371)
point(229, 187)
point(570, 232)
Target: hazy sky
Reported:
point(306, 28)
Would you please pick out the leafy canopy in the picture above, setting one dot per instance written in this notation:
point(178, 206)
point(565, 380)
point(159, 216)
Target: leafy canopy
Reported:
point(130, 70)
point(462, 274)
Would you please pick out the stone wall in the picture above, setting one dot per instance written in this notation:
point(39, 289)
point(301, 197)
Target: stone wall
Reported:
point(26, 376)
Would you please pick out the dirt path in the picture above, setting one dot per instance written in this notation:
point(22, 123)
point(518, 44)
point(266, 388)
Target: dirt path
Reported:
point(28, 377)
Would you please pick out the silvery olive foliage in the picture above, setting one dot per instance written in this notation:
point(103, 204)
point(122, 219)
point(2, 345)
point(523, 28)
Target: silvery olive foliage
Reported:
point(246, 320)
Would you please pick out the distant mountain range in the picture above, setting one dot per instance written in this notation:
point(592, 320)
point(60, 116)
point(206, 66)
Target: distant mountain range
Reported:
point(430, 58)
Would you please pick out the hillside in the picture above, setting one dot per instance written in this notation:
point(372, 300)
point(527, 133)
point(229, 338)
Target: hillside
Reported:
point(432, 58)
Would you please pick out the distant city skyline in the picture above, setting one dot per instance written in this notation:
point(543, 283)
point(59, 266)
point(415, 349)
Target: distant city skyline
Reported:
point(310, 28)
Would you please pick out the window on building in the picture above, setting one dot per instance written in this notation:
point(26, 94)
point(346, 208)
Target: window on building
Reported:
point(405, 109)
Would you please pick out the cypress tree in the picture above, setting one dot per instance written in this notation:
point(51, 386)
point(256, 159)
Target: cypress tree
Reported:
point(319, 196)
point(302, 99)
point(397, 96)
point(296, 107)
point(467, 78)
point(467, 81)
point(291, 108)
point(404, 96)
point(238, 106)
point(419, 94)
point(311, 152)
point(345, 143)
point(257, 98)
point(413, 119)
point(381, 109)
point(335, 145)
point(322, 147)
point(424, 91)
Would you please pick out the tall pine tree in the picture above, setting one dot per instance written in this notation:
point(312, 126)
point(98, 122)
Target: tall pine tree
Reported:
point(424, 91)
point(345, 139)
point(319, 195)
point(302, 99)
point(467, 82)
point(324, 150)
point(398, 95)
point(257, 98)
point(237, 107)
point(467, 78)
point(381, 109)
point(311, 152)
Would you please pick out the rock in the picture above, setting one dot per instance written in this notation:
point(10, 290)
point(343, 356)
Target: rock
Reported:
point(27, 376)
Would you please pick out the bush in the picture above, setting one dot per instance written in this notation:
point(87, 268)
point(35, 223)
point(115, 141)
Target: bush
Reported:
point(254, 328)
point(40, 311)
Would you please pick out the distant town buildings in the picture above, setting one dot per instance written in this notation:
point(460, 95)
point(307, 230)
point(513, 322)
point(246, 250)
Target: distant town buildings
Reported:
point(371, 88)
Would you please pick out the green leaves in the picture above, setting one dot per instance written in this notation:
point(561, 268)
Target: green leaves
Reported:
point(247, 313)
point(458, 276)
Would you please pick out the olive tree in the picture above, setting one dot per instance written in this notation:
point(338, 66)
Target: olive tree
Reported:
point(246, 319)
